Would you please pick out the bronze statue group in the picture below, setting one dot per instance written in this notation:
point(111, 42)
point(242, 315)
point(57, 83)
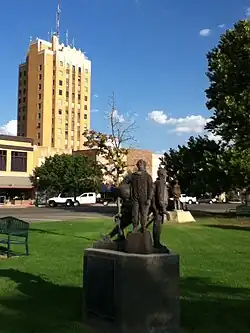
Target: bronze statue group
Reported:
point(144, 202)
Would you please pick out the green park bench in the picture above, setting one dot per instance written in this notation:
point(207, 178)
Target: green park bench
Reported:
point(15, 232)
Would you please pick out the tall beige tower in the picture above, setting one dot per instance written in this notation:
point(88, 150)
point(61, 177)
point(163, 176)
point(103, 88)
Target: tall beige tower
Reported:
point(54, 95)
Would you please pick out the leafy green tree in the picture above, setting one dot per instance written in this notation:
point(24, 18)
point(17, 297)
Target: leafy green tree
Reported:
point(74, 173)
point(201, 166)
point(229, 91)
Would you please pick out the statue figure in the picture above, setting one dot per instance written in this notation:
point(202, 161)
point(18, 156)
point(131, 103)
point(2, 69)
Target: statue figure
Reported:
point(141, 192)
point(159, 205)
point(177, 194)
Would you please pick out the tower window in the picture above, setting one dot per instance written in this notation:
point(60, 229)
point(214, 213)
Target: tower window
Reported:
point(85, 116)
point(60, 83)
point(60, 92)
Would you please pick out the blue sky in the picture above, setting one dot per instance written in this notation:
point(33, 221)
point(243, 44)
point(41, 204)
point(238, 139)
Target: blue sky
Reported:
point(151, 53)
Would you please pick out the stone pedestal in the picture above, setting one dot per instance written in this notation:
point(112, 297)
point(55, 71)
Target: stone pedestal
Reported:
point(131, 293)
point(180, 216)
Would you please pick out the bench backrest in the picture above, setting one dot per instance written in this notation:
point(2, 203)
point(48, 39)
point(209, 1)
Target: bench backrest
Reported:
point(14, 226)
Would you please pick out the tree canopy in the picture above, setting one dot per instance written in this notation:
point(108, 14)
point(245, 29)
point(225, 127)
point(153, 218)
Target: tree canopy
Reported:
point(201, 166)
point(73, 173)
point(228, 95)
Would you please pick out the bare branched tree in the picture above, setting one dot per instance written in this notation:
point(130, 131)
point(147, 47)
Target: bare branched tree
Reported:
point(113, 147)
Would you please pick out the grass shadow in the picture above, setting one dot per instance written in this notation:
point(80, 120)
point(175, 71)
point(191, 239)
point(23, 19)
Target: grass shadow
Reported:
point(40, 306)
point(228, 227)
point(43, 231)
point(206, 307)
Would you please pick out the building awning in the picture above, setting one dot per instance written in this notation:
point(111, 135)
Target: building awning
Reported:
point(15, 182)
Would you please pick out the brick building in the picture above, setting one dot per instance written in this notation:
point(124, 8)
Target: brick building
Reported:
point(152, 160)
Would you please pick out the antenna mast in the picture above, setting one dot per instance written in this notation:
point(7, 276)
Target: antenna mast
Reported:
point(67, 38)
point(58, 19)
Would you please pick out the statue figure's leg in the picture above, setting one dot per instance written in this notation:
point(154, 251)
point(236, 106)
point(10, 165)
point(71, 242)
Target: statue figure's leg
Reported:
point(135, 214)
point(157, 230)
point(179, 204)
point(175, 204)
point(144, 215)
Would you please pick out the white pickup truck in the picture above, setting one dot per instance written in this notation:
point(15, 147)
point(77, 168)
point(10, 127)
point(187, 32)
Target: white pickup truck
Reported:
point(63, 199)
point(188, 200)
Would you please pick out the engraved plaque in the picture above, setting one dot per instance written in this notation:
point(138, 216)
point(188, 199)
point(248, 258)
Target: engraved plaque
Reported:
point(99, 286)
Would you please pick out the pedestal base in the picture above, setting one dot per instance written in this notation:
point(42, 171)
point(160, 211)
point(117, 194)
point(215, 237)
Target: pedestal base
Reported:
point(131, 293)
point(180, 216)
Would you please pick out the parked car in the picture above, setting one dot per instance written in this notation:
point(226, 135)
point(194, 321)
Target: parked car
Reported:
point(106, 198)
point(188, 200)
point(63, 199)
point(207, 200)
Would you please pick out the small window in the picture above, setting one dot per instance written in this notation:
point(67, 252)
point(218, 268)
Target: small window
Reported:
point(3, 160)
point(38, 135)
point(24, 99)
point(19, 161)
point(79, 69)
point(38, 125)
point(91, 194)
point(60, 92)
point(39, 115)
point(79, 96)
point(40, 76)
point(60, 111)
point(40, 96)
point(40, 67)
point(24, 73)
point(85, 107)
point(85, 116)
point(60, 83)
point(67, 94)
point(24, 91)
point(24, 82)
point(40, 86)
point(39, 106)
point(23, 117)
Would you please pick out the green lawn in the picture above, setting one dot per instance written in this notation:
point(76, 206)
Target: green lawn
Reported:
point(42, 293)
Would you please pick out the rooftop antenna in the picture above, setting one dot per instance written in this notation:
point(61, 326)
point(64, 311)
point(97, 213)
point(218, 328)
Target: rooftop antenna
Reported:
point(58, 19)
point(67, 38)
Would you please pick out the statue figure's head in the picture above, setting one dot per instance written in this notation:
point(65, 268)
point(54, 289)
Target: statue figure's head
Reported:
point(162, 173)
point(141, 165)
point(176, 182)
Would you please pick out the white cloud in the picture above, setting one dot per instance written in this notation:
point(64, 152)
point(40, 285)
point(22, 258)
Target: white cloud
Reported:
point(94, 110)
point(10, 128)
point(248, 12)
point(118, 117)
point(221, 26)
point(189, 124)
point(95, 96)
point(158, 116)
point(205, 32)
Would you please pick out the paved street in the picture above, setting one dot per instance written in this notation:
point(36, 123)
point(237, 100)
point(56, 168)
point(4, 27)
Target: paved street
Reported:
point(36, 214)
point(213, 208)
